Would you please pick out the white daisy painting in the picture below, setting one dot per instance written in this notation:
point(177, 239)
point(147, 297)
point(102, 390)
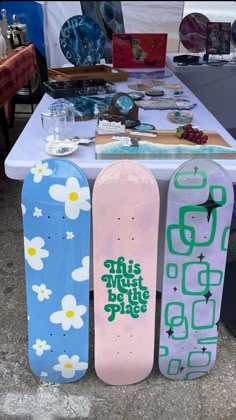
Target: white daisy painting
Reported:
point(69, 365)
point(34, 252)
point(81, 273)
point(42, 292)
point(74, 197)
point(39, 171)
point(40, 346)
point(70, 315)
point(37, 212)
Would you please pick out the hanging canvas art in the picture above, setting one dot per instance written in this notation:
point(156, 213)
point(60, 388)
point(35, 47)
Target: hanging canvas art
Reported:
point(139, 50)
point(218, 38)
point(109, 16)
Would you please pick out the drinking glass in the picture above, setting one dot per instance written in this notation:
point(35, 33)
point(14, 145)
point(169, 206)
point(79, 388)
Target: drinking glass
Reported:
point(54, 125)
point(64, 105)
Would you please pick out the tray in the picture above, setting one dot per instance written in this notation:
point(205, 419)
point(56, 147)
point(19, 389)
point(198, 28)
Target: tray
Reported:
point(62, 89)
point(88, 72)
point(164, 145)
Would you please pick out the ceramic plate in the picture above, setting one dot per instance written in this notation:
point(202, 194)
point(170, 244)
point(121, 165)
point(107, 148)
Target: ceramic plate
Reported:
point(64, 148)
point(180, 117)
point(193, 32)
point(82, 41)
point(136, 96)
point(139, 86)
point(171, 86)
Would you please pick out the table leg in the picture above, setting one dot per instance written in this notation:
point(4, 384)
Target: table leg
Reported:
point(4, 124)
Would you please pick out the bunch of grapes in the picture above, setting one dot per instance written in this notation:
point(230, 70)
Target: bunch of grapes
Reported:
point(188, 132)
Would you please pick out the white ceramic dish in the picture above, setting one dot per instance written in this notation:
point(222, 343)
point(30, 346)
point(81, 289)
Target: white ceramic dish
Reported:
point(55, 148)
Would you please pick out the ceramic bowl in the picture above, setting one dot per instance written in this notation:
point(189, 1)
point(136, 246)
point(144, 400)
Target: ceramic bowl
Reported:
point(180, 117)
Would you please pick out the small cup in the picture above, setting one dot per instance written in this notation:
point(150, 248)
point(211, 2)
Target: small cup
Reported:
point(54, 125)
point(64, 105)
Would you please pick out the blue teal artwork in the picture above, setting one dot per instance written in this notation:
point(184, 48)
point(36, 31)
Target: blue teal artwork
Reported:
point(147, 149)
point(87, 108)
point(108, 14)
point(124, 104)
point(82, 41)
point(56, 210)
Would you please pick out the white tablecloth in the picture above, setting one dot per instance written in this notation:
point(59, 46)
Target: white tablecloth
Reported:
point(214, 86)
point(29, 149)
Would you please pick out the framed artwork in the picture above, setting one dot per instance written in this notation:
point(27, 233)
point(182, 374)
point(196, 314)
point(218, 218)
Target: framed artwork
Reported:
point(218, 38)
point(139, 50)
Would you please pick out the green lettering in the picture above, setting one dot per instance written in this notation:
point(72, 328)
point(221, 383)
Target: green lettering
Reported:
point(113, 308)
point(143, 308)
point(111, 296)
point(120, 297)
point(137, 269)
point(146, 295)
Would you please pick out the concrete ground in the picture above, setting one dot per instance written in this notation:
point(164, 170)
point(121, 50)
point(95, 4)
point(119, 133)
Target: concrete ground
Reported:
point(25, 397)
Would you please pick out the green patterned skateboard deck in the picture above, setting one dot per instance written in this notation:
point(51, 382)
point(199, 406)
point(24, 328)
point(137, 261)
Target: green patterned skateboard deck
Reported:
point(199, 212)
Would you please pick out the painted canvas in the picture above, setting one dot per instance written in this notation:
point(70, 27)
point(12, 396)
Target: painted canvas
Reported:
point(218, 38)
point(132, 50)
point(109, 16)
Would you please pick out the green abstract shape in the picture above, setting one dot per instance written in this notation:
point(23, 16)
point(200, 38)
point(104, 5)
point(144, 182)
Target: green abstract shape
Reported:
point(210, 283)
point(212, 188)
point(190, 186)
point(175, 306)
point(199, 209)
point(174, 267)
point(186, 335)
point(165, 351)
point(193, 353)
point(171, 362)
point(170, 243)
point(186, 276)
point(224, 239)
point(203, 326)
point(207, 340)
point(194, 372)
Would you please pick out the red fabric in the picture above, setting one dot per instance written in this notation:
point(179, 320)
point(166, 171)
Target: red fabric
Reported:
point(15, 71)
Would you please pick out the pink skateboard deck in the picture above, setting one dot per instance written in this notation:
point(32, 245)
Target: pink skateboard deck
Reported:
point(199, 213)
point(125, 233)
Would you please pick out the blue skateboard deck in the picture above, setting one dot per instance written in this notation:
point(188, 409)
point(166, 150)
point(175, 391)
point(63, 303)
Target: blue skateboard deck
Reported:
point(56, 221)
point(199, 213)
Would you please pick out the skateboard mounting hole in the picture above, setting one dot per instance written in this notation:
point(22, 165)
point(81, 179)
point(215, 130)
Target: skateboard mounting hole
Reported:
point(132, 218)
point(63, 237)
point(50, 334)
point(132, 239)
point(64, 335)
point(118, 352)
point(118, 239)
point(118, 336)
point(63, 217)
point(130, 352)
point(118, 218)
point(49, 237)
point(131, 335)
point(64, 351)
point(49, 217)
